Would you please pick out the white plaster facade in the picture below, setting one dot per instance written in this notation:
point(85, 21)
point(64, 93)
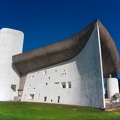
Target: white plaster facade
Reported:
point(11, 42)
point(78, 81)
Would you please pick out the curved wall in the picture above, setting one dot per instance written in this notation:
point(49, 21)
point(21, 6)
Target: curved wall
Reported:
point(78, 81)
point(11, 42)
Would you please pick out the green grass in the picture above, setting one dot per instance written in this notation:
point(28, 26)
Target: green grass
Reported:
point(39, 111)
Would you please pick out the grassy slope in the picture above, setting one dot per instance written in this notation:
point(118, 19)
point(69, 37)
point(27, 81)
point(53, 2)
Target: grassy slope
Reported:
point(39, 111)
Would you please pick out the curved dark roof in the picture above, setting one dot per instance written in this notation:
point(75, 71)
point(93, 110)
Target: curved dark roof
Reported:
point(69, 48)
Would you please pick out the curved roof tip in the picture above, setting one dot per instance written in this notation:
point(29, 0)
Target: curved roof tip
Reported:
point(97, 20)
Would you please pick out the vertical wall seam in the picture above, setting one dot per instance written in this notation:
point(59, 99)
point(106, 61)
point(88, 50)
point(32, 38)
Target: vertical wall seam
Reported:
point(98, 32)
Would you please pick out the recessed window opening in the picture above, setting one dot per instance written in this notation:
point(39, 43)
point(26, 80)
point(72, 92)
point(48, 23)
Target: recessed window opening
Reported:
point(44, 72)
point(31, 77)
point(55, 70)
point(32, 96)
point(58, 99)
point(45, 98)
point(34, 88)
point(20, 92)
point(63, 84)
point(13, 87)
point(69, 85)
point(51, 100)
point(46, 83)
point(56, 82)
point(49, 78)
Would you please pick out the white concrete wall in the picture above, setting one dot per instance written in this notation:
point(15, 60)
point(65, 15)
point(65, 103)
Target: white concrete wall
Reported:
point(11, 42)
point(84, 72)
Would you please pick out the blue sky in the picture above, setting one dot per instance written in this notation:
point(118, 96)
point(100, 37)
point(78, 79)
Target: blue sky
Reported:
point(48, 21)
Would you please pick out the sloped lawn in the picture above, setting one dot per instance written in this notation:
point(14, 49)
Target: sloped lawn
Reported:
point(40, 111)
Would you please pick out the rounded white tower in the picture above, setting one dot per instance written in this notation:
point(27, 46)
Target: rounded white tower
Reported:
point(112, 86)
point(11, 42)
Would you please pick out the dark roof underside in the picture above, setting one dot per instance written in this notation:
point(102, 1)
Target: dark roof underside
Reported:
point(69, 48)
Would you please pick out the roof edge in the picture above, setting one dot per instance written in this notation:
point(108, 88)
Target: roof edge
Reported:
point(67, 49)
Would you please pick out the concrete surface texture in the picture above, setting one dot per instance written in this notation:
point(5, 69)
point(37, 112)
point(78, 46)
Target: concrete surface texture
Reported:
point(11, 42)
point(78, 81)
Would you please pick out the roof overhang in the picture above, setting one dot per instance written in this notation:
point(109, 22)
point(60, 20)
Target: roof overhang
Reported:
point(69, 48)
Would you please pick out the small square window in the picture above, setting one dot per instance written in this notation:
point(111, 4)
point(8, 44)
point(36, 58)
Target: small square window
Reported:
point(63, 84)
point(45, 98)
point(44, 72)
point(13, 87)
point(31, 77)
point(32, 96)
point(56, 82)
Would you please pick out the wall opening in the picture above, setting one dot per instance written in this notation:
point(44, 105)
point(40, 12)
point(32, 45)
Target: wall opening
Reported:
point(32, 96)
point(13, 87)
point(56, 82)
point(31, 77)
point(69, 85)
point(58, 99)
point(20, 92)
point(45, 98)
point(44, 72)
point(63, 84)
